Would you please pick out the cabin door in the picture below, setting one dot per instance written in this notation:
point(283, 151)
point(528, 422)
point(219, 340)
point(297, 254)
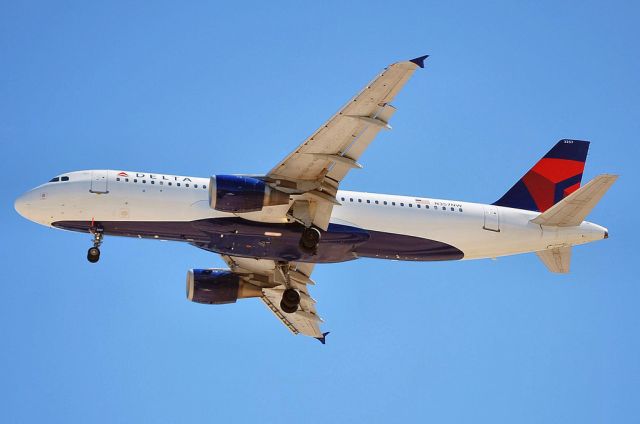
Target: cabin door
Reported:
point(491, 218)
point(99, 182)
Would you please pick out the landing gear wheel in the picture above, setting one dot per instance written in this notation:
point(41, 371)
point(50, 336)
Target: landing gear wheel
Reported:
point(309, 240)
point(290, 301)
point(93, 255)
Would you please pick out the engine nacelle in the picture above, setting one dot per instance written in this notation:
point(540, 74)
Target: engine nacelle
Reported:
point(217, 286)
point(238, 194)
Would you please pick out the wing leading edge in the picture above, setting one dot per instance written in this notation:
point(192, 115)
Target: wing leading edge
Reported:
point(318, 165)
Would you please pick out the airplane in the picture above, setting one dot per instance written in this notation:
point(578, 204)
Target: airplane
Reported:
point(272, 229)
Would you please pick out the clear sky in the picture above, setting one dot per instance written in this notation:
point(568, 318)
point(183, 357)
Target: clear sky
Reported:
point(199, 88)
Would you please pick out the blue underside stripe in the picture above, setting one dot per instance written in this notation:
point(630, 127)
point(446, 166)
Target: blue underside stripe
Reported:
point(247, 238)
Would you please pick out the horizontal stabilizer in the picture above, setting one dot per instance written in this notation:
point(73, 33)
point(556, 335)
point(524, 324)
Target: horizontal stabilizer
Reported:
point(557, 259)
point(573, 209)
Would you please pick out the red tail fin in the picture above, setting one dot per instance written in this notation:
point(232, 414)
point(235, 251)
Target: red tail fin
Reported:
point(554, 177)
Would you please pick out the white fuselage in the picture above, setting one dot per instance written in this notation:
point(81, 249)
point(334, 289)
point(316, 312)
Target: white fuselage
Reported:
point(478, 230)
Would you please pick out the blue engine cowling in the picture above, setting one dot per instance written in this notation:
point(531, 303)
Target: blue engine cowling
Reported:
point(218, 286)
point(238, 194)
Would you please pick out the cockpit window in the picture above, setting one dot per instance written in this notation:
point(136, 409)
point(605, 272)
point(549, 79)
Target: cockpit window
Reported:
point(64, 178)
point(54, 180)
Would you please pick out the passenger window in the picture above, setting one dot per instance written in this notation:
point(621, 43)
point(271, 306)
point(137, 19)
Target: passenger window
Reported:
point(144, 181)
point(342, 198)
point(426, 206)
point(385, 202)
point(452, 209)
point(186, 185)
point(377, 202)
point(410, 205)
point(64, 178)
point(460, 209)
point(178, 184)
point(368, 201)
point(204, 186)
point(135, 180)
point(418, 206)
point(161, 183)
point(359, 200)
point(126, 180)
point(195, 186)
point(169, 182)
point(54, 180)
point(153, 182)
point(351, 199)
point(401, 204)
point(118, 179)
point(393, 203)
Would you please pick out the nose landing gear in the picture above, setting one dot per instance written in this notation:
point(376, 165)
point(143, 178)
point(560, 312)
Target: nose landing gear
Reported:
point(93, 254)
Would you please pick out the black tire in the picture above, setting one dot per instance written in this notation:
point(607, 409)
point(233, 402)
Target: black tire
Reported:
point(309, 240)
point(93, 255)
point(291, 297)
point(289, 309)
point(290, 301)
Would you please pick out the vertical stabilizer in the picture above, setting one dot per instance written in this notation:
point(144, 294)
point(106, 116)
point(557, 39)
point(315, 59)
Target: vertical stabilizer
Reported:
point(554, 177)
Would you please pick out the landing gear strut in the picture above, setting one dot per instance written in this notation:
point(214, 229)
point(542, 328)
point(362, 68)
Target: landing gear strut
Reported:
point(93, 254)
point(309, 240)
point(290, 297)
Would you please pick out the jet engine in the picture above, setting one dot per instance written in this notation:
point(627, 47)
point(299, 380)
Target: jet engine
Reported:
point(217, 286)
point(239, 194)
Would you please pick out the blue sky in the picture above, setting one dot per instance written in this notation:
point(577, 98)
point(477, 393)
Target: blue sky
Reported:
point(199, 88)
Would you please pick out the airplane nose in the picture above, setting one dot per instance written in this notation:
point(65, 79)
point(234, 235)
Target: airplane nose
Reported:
point(21, 205)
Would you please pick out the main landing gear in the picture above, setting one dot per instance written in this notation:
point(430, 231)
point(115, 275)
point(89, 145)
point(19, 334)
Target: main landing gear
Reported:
point(290, 296)
point(93, 254)
point(290, 301)
point(309, 240)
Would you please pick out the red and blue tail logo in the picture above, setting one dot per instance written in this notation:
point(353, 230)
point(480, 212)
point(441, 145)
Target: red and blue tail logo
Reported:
point(554, 177)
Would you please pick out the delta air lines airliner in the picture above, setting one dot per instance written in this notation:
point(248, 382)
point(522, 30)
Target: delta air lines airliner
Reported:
point(272, 229)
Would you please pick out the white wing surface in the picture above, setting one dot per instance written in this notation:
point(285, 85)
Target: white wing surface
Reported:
point(318, 165)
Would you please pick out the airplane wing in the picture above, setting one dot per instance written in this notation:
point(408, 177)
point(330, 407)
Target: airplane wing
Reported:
point(319, 164)
point(264, 273)
point(311, 174)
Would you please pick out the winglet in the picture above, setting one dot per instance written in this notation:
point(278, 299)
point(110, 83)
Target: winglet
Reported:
point(419, 60)
point(323, 339)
